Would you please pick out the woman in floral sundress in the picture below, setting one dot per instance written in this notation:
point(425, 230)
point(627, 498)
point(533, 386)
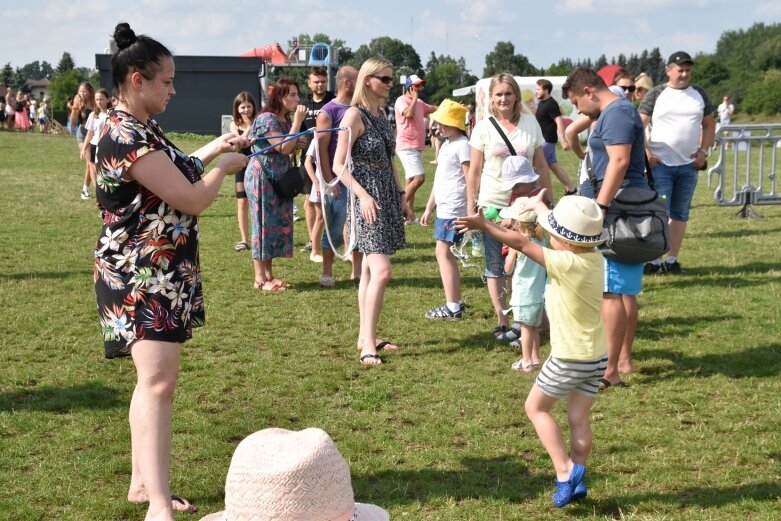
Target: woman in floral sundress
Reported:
point(381, 207)
point(272, 217)
point(147, 274)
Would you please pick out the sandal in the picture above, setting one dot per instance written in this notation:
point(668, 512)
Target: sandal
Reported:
point(269, 285)
point(281, 283)
point(241, 246)
point(384, 344)
point(523, 365)
point(376, 360)
point(499, 331)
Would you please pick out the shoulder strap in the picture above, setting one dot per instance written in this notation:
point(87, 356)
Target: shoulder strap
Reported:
point(504, 136)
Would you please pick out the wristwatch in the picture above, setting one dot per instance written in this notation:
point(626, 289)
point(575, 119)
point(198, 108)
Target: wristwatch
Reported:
point(198, 164)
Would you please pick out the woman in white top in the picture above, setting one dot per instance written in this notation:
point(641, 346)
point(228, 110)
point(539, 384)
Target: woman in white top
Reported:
point(94, 125)
point(484, 184)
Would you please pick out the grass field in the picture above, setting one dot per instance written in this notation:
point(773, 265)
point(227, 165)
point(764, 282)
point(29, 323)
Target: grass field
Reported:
point(439, 432)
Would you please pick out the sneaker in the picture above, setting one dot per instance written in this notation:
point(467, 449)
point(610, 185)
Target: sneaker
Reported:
point(316, 257)
point(307, 246)
point(443, 313)
point(673, 268)
point(650, 268)
point(85, 195)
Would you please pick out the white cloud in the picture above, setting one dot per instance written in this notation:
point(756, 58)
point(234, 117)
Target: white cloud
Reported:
point(766, 10)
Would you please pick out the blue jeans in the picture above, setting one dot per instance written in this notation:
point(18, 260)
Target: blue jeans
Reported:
point(334, 215)
point(676, 185)
point(494, 263)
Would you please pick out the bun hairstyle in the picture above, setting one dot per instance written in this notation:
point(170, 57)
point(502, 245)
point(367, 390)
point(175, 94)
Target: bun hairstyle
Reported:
point(134, 53)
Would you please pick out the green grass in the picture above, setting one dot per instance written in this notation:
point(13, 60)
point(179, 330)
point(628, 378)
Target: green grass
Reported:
point(439, 432)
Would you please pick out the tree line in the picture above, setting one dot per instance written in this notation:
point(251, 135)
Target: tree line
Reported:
point(746, 66)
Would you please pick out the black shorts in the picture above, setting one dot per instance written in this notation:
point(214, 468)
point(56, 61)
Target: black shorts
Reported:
point(93, 153)
point(239, 178)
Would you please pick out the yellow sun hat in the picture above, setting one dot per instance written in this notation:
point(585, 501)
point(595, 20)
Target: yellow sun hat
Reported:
point(450, 113)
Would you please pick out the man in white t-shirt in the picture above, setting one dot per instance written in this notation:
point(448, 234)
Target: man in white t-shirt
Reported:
point(725, 111)
point(410, 112)
point(680, 116)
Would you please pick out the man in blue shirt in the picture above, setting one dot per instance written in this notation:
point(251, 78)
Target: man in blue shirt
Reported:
point(617, 149)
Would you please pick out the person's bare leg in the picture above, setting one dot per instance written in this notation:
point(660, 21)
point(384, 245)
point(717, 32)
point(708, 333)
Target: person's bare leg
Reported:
point(677, 231)
point(357, 263)
point(413, 184)
point(625, 358)
point(309, 215)
point(448, 270)
point(378, 272)
point(578, 412)
point(615, 318)
point(497, 292)
point(538, 407)
point(242, 213)
point(562, 176)
point(157, 367)
point(316, 233)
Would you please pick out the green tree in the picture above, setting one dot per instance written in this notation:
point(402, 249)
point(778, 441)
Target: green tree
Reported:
point(46, 69)
point(764, 96)
point(66, 63)
point(562, 68)
point(403, 56)
point(7, 74)
point(62, 86)
point(32, 71)
point(503, 58)
point(443, 75)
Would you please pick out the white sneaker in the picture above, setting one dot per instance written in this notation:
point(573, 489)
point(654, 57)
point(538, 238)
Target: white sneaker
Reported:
point(85, 195)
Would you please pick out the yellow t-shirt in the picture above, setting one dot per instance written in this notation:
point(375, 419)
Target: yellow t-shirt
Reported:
point(525, 138)
point(573, 300)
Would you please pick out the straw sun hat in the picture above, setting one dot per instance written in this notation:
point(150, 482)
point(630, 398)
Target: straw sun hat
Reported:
point(282, 475)
point(576, 220)
point(450, 113)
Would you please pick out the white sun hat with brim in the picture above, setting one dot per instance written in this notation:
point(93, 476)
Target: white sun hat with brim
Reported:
point(516, 212)
point(576, 220)
point(517, 169)
point(282, 475)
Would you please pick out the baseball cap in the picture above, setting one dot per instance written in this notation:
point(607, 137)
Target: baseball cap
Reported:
point(414, 79)
point(680, 57)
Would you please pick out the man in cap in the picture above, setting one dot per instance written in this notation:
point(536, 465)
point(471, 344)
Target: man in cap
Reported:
point(411, 112)
point(682, 130)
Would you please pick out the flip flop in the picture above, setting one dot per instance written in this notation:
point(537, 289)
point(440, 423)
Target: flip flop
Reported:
point(178, 503)
point(604, 383)
point(272, 287)
point(370, 356)
point(390, 346)
point(281, 283)
point(241, 246)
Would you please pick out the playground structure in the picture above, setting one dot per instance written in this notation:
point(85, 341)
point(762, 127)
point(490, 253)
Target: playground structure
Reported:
point(298, 55)
point(747, 167)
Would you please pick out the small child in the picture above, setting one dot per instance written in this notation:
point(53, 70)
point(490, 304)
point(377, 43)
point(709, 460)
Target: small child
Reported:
point(316, 236)
point(449, 197)
point(94, 126)
point(519, 177)
point(43, 116)
point(528, 286)
point(578, 349)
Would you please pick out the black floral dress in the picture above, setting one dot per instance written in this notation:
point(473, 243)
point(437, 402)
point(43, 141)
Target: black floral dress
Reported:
point(371, 156)
point(147, 272)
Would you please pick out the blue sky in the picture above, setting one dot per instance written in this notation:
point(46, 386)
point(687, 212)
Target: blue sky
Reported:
point(544, 31)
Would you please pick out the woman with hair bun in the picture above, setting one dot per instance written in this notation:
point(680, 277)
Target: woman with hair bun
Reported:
point(147, 272)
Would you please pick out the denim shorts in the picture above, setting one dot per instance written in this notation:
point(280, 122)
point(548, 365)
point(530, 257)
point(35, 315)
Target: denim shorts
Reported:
point(622, 278)
point(530, 315)
point(494, 262)
point(334, 215)
point(676, 184)
point(560, 377)
point(445, 230)
point(549, 151)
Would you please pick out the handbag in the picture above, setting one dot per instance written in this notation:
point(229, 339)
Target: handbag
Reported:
point(288, 184)
point(635, 224)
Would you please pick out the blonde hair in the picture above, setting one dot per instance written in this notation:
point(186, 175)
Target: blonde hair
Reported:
point(370, 67)
point(518, 107)
point(529, 230)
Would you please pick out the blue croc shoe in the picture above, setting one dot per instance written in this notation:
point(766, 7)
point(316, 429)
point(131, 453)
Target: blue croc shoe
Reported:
point(581, 491)
point(565, 490)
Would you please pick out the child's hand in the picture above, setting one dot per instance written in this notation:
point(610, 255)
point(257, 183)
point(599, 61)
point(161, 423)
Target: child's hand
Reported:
point(536, 203)
point(424, 217)
point(472, 222)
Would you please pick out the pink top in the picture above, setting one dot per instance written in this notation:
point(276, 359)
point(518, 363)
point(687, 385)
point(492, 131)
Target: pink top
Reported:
point(411, 132)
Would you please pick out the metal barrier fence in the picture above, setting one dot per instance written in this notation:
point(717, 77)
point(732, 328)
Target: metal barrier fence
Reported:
point(749, 157)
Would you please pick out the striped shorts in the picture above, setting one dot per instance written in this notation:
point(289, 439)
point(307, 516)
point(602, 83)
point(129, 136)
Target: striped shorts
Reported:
point(559, 377)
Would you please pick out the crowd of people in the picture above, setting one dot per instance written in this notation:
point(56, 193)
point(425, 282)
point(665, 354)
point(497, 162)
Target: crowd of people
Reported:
point(21, 112)
point(492, 176)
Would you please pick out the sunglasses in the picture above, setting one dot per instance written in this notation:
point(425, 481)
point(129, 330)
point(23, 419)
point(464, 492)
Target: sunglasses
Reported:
point(628, 88)
point(387, 80)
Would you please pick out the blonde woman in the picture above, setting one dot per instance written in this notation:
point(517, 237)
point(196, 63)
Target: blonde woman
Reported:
point(484, 182)
point(380, 202)
point(83, 106)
